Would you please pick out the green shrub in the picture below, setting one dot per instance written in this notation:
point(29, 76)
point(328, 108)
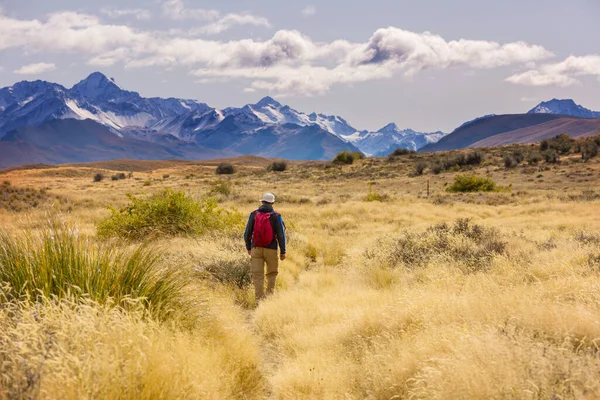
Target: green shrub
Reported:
point(519, 155)
point(221, 188)
point(98, 177)
point(277, 166)
point(225, 169)
point(561, 144)
point(534, 157)
point(472, 183)
point(60, 262)
point(346, 157)
point(168, 213)
point(551, 156)
point(374, 196)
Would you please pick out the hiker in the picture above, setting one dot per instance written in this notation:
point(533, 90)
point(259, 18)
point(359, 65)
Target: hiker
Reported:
point(265, 232)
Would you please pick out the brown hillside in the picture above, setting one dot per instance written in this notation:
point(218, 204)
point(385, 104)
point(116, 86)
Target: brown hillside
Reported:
point(574, 127)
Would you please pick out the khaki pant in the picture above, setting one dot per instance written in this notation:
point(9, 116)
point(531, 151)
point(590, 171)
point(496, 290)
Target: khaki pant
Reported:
point(260, 256)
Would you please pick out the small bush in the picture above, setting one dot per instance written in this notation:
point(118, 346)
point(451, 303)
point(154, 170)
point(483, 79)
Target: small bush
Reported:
point(221, 188)
point(474, 158)
point(59, 262)
point(589, 150)
point(374, 196)
point(346, 157)
point(118, 177)
point(519, 155)
point(551, 156)
point(534, 157)
point(470, 245)
point(147, 182)
point(401, 152)
point(472, 183)
point(98, 177)
point(225, 169)
point(420, 167)
point(509, 161)
point(168, 213)
point(277, 166)
point(436, 167)
point(166, 176)
point(561, 144)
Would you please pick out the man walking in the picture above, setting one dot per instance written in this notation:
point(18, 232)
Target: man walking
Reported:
point(265, 232)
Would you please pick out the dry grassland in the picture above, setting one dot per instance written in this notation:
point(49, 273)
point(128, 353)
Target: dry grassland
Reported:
point(377, 300)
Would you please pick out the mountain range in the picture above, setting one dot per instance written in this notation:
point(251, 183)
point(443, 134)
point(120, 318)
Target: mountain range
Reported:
point(96, 119)
point(97, 107)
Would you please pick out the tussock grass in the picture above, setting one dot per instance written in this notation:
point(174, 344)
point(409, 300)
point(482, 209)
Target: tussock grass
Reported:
point(59, 263)
point(16, 199)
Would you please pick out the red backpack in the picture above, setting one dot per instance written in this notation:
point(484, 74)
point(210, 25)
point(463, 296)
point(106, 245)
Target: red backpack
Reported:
point(263, 230)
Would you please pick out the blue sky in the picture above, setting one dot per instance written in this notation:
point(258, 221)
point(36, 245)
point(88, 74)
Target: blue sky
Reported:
point(423, 64)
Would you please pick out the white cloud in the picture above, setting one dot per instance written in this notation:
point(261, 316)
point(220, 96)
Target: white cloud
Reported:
point(230, 20)
point(33, 69)
point(218, 23)
point(117, 13)
point(559, 74)
point(287, 63)
point(309, 11)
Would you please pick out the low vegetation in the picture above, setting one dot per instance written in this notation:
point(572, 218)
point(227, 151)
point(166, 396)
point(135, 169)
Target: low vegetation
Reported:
point(348, 157)
point(168, 213)
point(277, 166)
point(59, 263)
point(472, 183)
point(17, 199)
point(225, 169)
point(431, 294)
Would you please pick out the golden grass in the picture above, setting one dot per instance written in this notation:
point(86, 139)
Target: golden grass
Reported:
point(344, 323)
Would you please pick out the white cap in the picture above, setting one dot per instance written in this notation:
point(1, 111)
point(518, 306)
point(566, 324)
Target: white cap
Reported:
point(268, 198)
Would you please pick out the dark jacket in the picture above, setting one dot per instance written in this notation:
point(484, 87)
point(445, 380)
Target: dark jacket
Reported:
point(276, 223)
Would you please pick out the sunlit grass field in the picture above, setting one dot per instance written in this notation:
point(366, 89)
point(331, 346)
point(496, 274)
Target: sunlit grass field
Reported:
point(388, 292)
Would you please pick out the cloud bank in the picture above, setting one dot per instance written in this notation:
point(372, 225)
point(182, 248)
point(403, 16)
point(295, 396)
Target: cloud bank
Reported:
point(33, 69)
point(561, 74)
point(289, 62)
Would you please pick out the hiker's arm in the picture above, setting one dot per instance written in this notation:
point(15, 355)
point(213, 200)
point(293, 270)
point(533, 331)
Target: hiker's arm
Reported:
point(248, 232)
point(280, 232)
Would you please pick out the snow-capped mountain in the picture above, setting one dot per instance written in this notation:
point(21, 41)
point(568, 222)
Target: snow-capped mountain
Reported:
point(133, 117)
point(390, 137)
point(564, 107)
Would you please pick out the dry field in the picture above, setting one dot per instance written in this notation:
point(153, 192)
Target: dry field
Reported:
point(487, 295)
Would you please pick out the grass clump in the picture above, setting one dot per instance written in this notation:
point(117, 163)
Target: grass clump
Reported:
point(234, 272)
point(467, 244)
point(222, 188)
point(346, 157)
point(472, 183)
point(277, 166)
point(118, 177)
point(60, 263)
point(374, 196)
point(98, 177)
point(225, 169)
point(17, 199)
point(168, 213)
